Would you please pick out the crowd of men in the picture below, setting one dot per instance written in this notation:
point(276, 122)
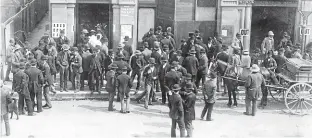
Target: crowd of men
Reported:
point(177, 71)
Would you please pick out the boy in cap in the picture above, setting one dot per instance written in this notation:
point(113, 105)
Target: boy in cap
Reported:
point(36, 81)
point(188, 79)
point(20, 85)
point(62, 60)
point(124, 85)
point(111, 85)
point(86, 61)
point(45, 68)
point(95, 70)
point(209, 92)
point(62, 40)
point(176, 111)
point(189, 99)
point(202, 68)
point(76, 66)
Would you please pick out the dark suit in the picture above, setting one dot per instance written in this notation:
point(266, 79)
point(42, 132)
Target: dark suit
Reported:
point(172, 78)
point(191, 64)
point(253, 88)
point(176, 114)
point(280, 62)
point(124, 83)
point(20, 85)
point(5, 101)
point(60, 42)
point(86, 61)
point(111, 87)
point(189, 112)
point(77, 70)
point(35, 83)
point(62, 60)
point(47, 83)
point(183, 86)
point(209, 92)
point(128, 48)
point(157, 57)
point(163, 69)
point(202, 70)
point(95, 72)
point(137, 63)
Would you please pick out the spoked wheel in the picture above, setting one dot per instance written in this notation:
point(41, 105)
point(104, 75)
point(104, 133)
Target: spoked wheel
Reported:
point(276, 94)
point(298, 98)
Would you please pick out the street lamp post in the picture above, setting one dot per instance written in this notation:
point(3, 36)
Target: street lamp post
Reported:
point(305, 9)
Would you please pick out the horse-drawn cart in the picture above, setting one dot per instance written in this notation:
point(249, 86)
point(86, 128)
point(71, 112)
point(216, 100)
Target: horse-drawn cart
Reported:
point(296, 89)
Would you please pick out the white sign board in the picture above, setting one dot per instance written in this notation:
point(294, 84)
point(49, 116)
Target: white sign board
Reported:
point(307, 31)
point(244, 32)
point(57, 27)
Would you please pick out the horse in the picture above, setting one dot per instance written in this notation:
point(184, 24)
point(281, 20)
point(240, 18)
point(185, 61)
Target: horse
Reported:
point(234, 76)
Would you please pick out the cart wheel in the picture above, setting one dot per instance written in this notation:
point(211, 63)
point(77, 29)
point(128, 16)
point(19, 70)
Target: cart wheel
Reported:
point(276, 94)
point(298, 98)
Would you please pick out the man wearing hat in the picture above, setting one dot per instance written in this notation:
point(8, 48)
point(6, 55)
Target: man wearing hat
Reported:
point(196, 33)
point(271, 65)
point(150, 74)
point(237, 44)
point(148, 35)
point(159, 31)
point(152, 39)
point(95, 70)
point(163, 69)
point(76, 66)
point(176, 112)
point(20, 85)
point(127, 46)
point(62, 60)
point(210, 49)
point(280, 60)
point(223, 56)
point(146, 52)
point(86, 61)
point(172, 77)
point(308, 53)
point(168, 41)
point(137, 64)
point(209, 92)
point(45, 68)
point(120, 50)
point(169, 31)
point(191, 64)
point(9, 57)
point(108, 59)
point(254, 83)
point(255, 57)
point(124, 84)
point(217, 43)
point(188, 79)
point(83, 35)
point(202, 68)
point(111, 85)
point(285, 41)
point(62, 40)
point(35, 83)
point(268, 43)
point(189, 99)
point(156, 54)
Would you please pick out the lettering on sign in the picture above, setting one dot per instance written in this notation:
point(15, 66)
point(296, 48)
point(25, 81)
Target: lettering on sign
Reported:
point(245, 1)
point(306, 32)
point(244, 32)
point(127, 15)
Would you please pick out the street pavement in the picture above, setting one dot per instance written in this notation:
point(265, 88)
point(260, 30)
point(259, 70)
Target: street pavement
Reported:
point(90, 119)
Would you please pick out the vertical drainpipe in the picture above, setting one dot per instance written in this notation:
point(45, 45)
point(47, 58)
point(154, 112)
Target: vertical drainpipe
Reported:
point(218, 16)
point(3, 52)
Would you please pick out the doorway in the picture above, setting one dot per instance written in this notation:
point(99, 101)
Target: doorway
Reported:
point(146, 21)
point(276, 19)
point(90, 15)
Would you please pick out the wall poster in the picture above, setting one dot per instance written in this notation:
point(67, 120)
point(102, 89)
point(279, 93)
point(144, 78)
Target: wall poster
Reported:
point(125, 30)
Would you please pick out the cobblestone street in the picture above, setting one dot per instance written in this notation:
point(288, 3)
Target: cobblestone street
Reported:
point(91, 119)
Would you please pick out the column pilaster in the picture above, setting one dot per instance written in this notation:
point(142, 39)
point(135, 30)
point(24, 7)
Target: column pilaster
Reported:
point(247, 25)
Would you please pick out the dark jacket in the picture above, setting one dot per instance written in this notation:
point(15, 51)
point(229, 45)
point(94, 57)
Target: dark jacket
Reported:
point(183, 86)
point(86, 60)
point(168, 42)
point(35, 79)
point(171, 78)
point(96, 63)
point(137, 63)
point(5, 100)
point(191, 64)
point(45, 68)
point(125, 53)
point(107, 61)
point(203, 64)
point(176, 106)
point(61, 41)
point(77, 64)
point(163, 69)
point(110, 81)
point(62, 59)
point(280, 62)
point(189, 106)
point(128, 48)
point(123, 83)
point(223, 56)
point(209, 91)
point(120, 64)
point(20, 82)
point(253, 85)
point(157, 57)
point(150, 77)
point(182, 70)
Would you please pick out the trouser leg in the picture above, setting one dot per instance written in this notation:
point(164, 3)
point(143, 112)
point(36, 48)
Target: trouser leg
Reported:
point(181, 126)
point(39, 100)
point(8, 71)
point(21, 103)
point(122, 102)
point(82, 78)
point(204, 110)
point(5, 118)
point(273, 78)
point(32, 97)
point(62, 70)
point(28, 104)
point(163, 93)
point(127, 103)
point(97, 81)
point(77, 81)
point(254, 107)
point(210, 108)
point(173, 127)
point(138, 80)
point(47, 96)
point(147, 95)
point(189, 128)
point(248, 106)
point(264, 99)
point(193, 78)
point(66, 71)
point(111, 100)
point(197, 82)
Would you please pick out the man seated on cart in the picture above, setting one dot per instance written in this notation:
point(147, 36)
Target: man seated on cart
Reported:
point(270, 64)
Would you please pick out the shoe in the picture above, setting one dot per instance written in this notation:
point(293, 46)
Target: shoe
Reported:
point(245, 113)
point(32, 114)
point(146, 107)
point(112, 109)
point(61, 90)
point(154, 100)
point(150, 104)
point(209, 120)
point(45, 105)
point(72, 88)
point(65, 90)
point(127, 111)
point(123, 112)
point(48, 107)
point(138, 101)
point(229, 105)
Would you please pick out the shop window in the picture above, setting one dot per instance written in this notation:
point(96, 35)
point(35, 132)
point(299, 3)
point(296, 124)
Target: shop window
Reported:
point(57, 27)
point(206, 3)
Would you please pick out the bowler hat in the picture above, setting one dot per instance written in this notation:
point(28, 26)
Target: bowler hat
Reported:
point(164, 58)
point(44, 57)
point(152, 61)
point(110, 50)
point(188, 76)
point(92, 31)
point(189, 86)
point(113, 66)
point(65, 47)
point(174, 64)
point(127, 38)
point(176, 87)
point(124, 68)
point(159, 28)
point(196, 31)
point(225, 47)
point(192, 51)
point(165, 47)
point(85, 31)
point(22, 65)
